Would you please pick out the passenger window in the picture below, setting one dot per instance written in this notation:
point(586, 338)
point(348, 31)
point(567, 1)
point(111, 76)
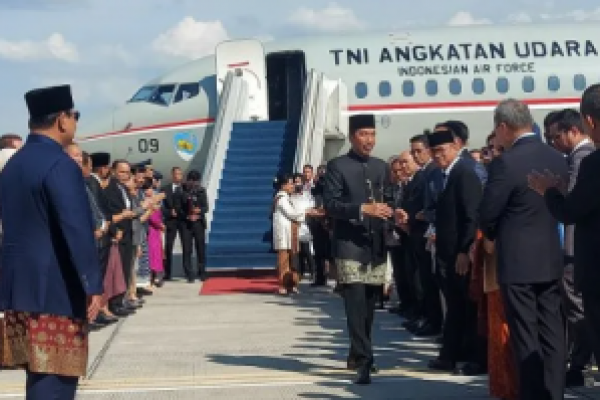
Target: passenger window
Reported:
point(502, 85)
point(361, 90)
point(553, 83)
point(163, 95)
point(186, 91)
point(579, 82)
point(478, 86)
point(455, 86)
point(408, 88)
point(431, 87)
point(528, 84)
point(385, 89)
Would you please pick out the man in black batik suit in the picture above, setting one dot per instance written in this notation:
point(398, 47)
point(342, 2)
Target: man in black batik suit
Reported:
point(456, 228)
point(357, 196)
point(530, 257)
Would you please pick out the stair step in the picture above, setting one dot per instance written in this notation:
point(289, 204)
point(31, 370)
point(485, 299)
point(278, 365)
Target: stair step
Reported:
point(234, 226)
point(257, 209)
point(250, 160)
point(260, 125)
point(267, 175)
point(233, 247)
point(241, 261)
point(268, 149)
point(235, 188)
point(245, 198)
point(241, 236)
point(271, 133)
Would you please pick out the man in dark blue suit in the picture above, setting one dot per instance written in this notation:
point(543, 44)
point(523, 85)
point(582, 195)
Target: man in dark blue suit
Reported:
point(530, 257)
point(51, 282)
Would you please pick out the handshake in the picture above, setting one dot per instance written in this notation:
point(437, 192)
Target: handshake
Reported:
point(383, 211)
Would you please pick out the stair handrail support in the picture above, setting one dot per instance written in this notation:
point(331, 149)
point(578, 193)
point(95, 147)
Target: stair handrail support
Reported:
point(232, 105)
point(306, 122)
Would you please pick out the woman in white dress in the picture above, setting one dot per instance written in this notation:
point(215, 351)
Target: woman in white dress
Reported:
point(286, 221)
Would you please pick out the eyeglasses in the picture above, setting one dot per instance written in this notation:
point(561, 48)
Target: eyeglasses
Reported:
point(74, 114)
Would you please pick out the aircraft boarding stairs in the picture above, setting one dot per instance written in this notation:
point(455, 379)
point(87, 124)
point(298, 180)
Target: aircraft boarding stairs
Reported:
point(240, 182)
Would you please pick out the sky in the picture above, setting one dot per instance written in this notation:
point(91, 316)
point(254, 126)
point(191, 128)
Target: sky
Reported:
point(106, 49)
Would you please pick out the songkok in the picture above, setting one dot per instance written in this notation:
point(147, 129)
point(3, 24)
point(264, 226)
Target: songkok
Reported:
point(361, 121)
point(5, 155)
point(100, 160)
point(48, 101)
point(459, 129)
point(158, 176)
point(440, 137)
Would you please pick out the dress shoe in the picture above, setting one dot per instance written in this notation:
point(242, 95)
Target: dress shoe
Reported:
point(318, 284)
point(441, 365)
point(121, 311)
point(470, 369)
point(131, 304)
point(104, 319)
point(417, 325)
point(363, 376)
point(351, 365)
point(143, 292)
point(191, 280)
point(427, 330)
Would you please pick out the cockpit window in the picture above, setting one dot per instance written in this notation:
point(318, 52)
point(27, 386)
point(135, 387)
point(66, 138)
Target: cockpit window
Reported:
point(143, 94)
point(162, 95)
point(187, 91)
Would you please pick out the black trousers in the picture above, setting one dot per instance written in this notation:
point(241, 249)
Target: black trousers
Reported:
point(193, 236)
point(400, 277)
point(429, 296)
point(173, 227)
point(322, 247)
point(50, 387)
point(306, 260)
point(537, 336)
point(359, 301)
point(591, 308)
point(578, 339)
point(459, 338)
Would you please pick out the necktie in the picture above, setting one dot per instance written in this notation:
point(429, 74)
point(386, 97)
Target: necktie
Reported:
point(444, 180)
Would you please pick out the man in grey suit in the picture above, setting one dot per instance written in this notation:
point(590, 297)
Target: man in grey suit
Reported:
point(565, 133)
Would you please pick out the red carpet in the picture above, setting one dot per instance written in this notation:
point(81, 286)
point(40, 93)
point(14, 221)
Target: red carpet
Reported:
point(261, 284)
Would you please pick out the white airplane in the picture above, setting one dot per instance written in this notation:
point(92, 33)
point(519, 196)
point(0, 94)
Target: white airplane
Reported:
point(409, 80)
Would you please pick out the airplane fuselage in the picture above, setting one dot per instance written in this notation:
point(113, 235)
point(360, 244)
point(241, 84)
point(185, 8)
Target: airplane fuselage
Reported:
point(410, 81)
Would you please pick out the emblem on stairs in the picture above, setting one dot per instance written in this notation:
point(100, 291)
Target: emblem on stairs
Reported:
point(186, 145)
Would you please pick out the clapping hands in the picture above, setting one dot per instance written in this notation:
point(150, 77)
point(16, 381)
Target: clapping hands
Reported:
point(540, 182)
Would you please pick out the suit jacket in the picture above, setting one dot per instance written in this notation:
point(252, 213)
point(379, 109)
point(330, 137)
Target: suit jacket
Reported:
point(434, 183)
point(357, 237)
point(517, 218)
point(477, 167)
point(456, 211)
point(184, 199)
point(49, 257)
point(581, 206)
point(415, 200)
point(574, 161)
point(115, 194)
point(171, 202)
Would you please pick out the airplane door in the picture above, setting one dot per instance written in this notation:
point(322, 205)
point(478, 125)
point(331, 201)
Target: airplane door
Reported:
point(337, 109)
point(248, 56)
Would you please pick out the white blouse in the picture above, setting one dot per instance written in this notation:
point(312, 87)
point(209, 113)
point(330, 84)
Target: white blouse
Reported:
point(283, 216)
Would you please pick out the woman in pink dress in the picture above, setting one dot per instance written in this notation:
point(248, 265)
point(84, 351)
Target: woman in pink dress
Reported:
point(154, 238)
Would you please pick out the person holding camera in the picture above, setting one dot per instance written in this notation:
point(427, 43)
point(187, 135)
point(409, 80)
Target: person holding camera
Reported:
point(193, 205)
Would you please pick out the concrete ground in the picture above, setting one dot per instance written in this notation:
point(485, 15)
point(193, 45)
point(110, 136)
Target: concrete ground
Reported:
point(242, 346)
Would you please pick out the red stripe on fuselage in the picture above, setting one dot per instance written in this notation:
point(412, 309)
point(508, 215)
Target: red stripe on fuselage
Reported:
point(240, 64)
point(455, 104)
point(360, 107)
point(150, 127)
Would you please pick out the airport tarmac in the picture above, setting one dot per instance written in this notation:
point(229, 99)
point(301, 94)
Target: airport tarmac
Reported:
point(254, 346)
